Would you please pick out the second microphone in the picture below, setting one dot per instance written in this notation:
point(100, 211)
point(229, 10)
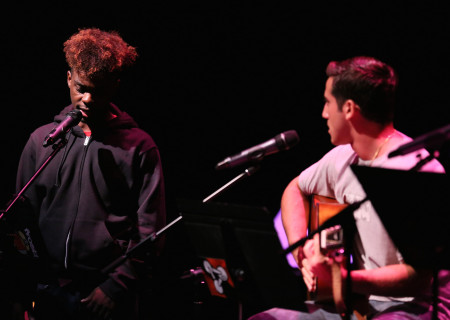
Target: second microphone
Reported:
point(281, 142)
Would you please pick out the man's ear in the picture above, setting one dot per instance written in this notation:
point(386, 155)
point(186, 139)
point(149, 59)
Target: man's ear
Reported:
point(350, 109)
point(69, 78)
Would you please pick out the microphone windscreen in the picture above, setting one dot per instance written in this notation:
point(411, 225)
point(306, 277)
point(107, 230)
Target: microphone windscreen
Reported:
point(287, 139)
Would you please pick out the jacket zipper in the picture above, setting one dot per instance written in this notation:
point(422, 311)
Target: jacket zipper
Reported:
point(69, 234)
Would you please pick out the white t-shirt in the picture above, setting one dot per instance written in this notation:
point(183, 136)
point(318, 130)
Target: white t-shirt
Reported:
point(332, 176)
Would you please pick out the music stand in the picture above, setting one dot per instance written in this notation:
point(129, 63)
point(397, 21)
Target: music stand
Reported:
point(243, 239)
point(413, 208)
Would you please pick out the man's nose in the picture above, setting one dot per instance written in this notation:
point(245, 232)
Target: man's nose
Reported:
point(87, 98)
point(325, 113)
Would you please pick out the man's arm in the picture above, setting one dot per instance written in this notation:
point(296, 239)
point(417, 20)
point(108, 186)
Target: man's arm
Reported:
point(397, 280)
point(294, 215)
point(392, 280)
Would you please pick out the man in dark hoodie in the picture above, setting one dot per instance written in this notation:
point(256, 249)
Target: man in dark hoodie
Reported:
point(102, 194)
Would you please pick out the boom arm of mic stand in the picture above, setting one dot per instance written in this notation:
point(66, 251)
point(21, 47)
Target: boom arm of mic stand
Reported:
point(56, 148)
point(151, 238)
point(247, 172)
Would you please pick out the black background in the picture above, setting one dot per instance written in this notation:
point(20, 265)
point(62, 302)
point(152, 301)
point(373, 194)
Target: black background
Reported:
point(214, 78)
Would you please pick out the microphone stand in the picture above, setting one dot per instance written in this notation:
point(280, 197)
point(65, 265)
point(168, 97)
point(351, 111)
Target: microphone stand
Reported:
point(246, 173)
point(56, 148)
point(153, 237)
point(37, 250)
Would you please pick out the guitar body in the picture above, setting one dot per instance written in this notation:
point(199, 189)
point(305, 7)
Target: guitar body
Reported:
point(321, 209)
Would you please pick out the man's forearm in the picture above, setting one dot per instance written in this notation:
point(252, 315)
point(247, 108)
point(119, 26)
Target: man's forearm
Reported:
point(393, 280)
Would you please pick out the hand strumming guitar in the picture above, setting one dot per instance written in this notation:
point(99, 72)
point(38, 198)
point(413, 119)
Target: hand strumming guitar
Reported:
point(314, 264)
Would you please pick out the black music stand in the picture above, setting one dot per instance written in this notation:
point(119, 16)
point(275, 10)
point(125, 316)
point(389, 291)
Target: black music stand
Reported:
point(245, 240)
point(414, 209)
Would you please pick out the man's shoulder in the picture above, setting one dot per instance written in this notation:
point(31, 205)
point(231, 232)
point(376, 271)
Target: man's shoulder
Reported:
point(341, 151)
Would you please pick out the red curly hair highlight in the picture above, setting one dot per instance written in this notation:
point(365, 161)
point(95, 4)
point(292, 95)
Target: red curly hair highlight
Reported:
point(94, 53)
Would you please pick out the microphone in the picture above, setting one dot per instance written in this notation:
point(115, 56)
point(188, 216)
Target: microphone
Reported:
point(283, 141)
point(432, 140)
point(72, 119)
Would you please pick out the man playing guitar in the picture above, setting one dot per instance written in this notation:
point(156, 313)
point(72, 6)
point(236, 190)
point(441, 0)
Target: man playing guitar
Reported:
point(359, 109)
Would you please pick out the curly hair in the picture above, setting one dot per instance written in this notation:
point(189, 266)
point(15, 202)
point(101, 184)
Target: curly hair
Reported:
point(97, 54)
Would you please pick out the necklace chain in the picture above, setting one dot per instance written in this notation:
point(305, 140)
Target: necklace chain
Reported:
point(381, 146)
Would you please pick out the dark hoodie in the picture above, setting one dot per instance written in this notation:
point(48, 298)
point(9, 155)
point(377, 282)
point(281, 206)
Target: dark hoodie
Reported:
point(97, 198)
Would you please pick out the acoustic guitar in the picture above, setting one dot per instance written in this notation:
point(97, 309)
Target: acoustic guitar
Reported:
point(332, 245)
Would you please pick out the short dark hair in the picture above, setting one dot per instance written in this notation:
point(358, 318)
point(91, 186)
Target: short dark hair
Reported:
point(98, 54)
point(372, 84)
